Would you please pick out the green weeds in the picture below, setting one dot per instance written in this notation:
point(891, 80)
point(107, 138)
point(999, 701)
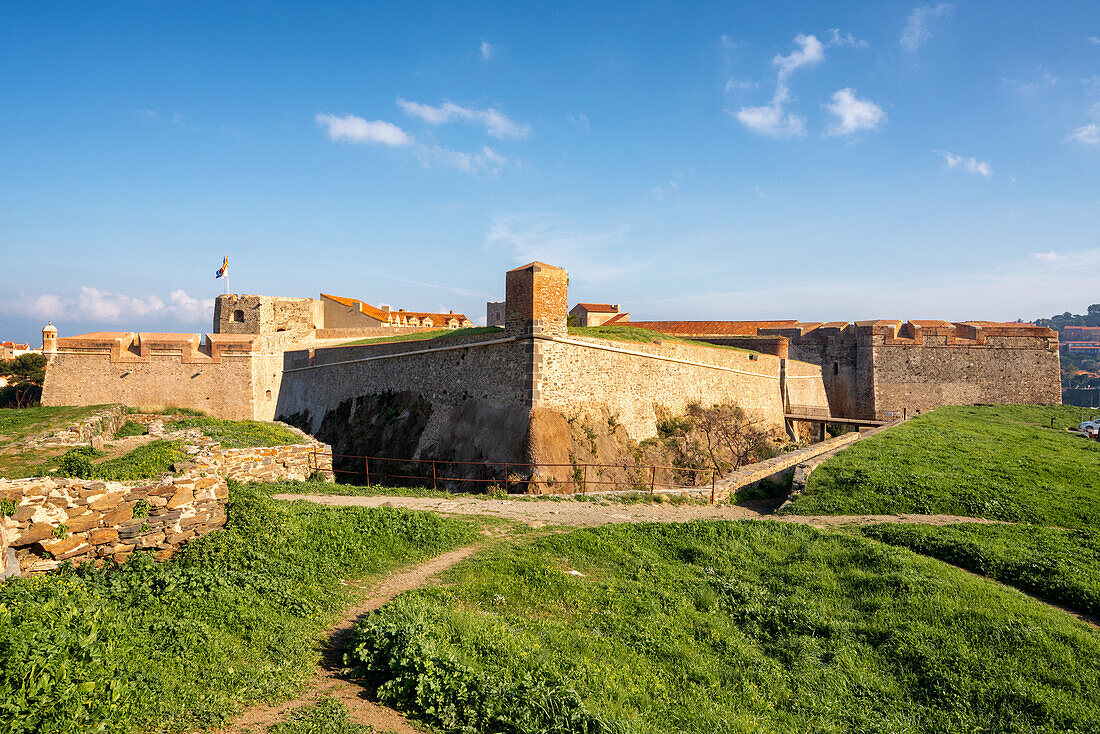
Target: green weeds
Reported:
point(238, 434)
point(327, 716)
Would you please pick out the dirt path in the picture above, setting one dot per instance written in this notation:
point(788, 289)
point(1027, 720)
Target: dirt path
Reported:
point(328, 682)
point(585, 514)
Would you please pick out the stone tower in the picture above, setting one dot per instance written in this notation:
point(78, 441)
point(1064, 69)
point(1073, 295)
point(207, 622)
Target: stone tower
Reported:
point(49, 337)
point(536, 300)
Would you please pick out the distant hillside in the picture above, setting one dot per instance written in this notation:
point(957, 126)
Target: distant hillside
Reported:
point(1074, 365)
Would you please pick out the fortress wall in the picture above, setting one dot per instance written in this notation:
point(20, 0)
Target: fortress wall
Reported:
point(221, 387)
point(475, 397)
point(846, 375)
point(806, 385)
point(925, 377)
point(631, 381)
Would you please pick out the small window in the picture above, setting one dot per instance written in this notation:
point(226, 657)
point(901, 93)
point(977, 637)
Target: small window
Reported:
point(268, 394)
point(238, 316)
point(836, 368)
point(279, 329)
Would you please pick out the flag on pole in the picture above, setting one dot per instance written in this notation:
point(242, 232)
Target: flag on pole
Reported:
point(223, 268)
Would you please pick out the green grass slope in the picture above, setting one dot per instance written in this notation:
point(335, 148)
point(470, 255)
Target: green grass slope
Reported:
point(1002, 462)
point(238, 434)
point(1056, 564)
point(722, 627)
point(235, 618)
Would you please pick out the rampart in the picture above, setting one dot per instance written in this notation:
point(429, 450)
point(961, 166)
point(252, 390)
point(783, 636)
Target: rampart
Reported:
point(156, 371)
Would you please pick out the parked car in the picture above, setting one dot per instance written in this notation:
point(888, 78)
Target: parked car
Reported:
point(1092, 428)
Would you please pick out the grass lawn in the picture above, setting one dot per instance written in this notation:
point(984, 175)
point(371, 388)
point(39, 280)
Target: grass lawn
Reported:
point(613, 333)
point(428, 335)
point(235, 618)
point(726, 627)
point(1002, 462)
point(642, 336)
point(238, 434)
point(1060, 565)
point(18, 423)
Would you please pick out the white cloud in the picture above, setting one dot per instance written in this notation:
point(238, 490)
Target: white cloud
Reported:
point(496, 123)
point(918, 29)
point(92, 305)
point(1094, 40)
point(486, 160)
point(486, 50)
point(740, 84)
point(579, 119)
point(352, 129)
point(810, 52)
point(1045, 79)
point(1047, 257)
point(853, 114)
point(771, 119)
point(835, 39)
point(970, 165)
point(1085, 135)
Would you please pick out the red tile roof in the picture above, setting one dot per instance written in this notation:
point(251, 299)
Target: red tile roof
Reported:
point(438, 319)
point(597, 307)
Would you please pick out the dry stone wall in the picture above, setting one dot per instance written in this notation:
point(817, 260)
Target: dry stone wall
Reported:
point(54, 519)
point(101, 424)
point(47, 520)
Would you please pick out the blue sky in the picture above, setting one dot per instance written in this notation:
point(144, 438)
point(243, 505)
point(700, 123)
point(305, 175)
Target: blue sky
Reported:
point(690, 161)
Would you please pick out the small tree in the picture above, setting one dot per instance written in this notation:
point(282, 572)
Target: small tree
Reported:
point(25, 375)
point(728, 435)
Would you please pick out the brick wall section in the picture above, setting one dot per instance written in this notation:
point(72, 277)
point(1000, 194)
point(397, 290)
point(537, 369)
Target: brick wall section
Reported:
point(100, 520)
point(536, 300)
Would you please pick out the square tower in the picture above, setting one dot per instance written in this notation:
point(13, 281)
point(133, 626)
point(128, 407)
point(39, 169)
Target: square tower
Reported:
point(536, 300)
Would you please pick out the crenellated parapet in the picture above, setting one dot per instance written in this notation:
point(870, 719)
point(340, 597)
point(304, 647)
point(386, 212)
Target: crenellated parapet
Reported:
point(138, 347)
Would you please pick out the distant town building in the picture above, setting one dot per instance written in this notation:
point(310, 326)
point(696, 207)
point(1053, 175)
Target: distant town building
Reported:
point(1072, 334)
point(11, 350)
point(1084, 347)
point(599, 314)
point(494, 313)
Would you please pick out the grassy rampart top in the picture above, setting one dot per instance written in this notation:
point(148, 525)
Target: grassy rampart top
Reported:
point(611, 333)
point(1003, 462)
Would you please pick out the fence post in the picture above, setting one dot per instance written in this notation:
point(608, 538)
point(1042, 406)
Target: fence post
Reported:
point(652, 478)
point(584, 480)
point(433, 474)
point(366, 469)
point(712, 486)
point(505, 479)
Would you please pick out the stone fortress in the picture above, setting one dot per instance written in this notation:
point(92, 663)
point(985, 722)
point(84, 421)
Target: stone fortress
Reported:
point(514, 394)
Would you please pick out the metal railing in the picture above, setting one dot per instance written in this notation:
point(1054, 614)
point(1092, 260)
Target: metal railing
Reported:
point(514, 476)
